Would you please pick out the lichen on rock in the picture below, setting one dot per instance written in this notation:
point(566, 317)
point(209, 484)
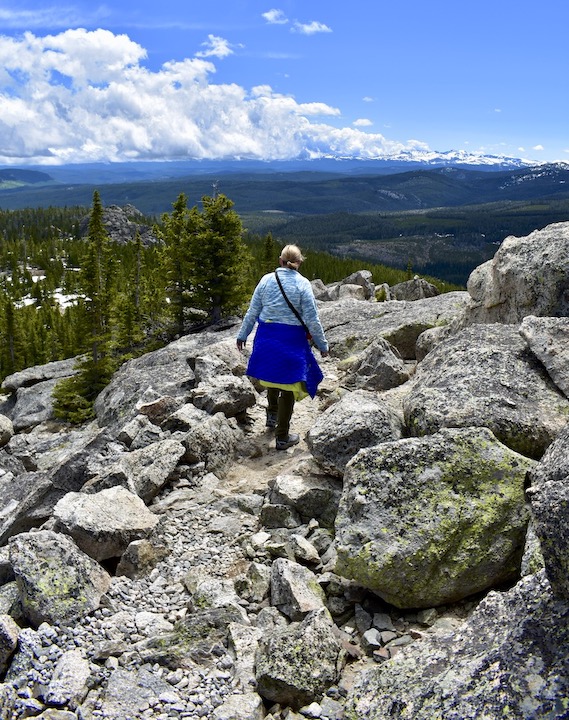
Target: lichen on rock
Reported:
point(427, 521)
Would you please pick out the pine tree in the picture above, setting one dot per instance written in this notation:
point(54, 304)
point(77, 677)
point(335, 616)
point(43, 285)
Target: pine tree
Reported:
point(127, 331)
point(269, 259)
point(219, 257)
point(13, 341)
point(74, 397)
point(175, 231)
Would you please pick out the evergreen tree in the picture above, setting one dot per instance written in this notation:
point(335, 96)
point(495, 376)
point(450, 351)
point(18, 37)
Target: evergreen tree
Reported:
point(127, 331)
point(74, 397)
point(220, 258)
point(270, 254)
point(12, 358)
point(175, 231)
point(96, 275)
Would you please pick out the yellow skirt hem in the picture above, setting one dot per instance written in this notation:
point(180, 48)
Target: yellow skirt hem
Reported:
point(298, 388)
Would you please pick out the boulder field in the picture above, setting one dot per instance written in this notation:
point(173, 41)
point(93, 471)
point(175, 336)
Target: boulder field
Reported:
point(408, 559)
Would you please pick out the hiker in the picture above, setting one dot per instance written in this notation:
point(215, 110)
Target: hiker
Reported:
point(284, 306)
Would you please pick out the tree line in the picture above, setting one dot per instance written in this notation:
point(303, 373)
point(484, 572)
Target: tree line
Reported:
point(63, 295)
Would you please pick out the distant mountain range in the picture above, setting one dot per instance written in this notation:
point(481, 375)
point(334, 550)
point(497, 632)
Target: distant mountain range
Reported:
point(323, 186)
point(93, 173)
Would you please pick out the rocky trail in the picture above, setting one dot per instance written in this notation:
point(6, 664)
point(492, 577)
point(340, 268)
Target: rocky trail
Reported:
point(407, 559)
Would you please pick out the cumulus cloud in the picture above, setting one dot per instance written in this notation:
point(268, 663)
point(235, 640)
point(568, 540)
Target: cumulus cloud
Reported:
point(537, 147)
point(215, 47)
point(310, 28)
point(82, 96)
point(362, 122)
point(275, 17)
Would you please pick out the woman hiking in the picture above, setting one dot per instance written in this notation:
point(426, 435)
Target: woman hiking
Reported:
point(284, 306)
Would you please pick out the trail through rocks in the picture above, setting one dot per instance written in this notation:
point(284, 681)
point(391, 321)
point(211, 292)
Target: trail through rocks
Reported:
point(260, 461)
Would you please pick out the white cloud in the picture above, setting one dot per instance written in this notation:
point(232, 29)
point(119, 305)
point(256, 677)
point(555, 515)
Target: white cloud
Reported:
point(362, 122)
point(84, 96)
point(310, 28)
point(275, 17)
point(215, 47)
point(367, 99)
point(497, 110)
point(537, 147)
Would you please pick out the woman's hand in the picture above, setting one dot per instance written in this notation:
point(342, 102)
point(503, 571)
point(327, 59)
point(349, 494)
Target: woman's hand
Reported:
point(241, 344)
point(324, 353)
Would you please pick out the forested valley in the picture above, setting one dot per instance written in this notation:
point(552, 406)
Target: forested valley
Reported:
point(68, 290)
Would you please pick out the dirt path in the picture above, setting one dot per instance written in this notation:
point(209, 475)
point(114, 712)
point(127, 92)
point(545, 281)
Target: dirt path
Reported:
point(260, 462)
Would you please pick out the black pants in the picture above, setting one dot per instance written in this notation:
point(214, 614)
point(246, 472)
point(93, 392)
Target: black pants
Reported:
point(281, 404)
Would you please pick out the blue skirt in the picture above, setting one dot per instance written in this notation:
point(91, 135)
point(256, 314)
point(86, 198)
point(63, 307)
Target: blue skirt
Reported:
point(281, 354)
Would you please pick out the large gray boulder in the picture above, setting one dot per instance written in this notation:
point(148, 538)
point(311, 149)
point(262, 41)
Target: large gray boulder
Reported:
point(33, 405)
point(484, 376)
point(61, 462)
point(38, 374)
point(144, 472)
point(127, 693)
point(294, 589)
point(358, 285)
point(196, 638)
point(310, 496)
point(428, 521)
point(378, 367)
point(105, 523)
point(122, 225)
point(164, 373)
point(221, 384)
point(58, 583)
point(352, 325)
point(548, 339)
point(213, 441)
point(9, 633)
point(508, 660)
point(549, 499)
point(27, 501)
point(359, 419)
point(6, 430)
point(295, 665)
point(527, 276)
point(69, 684)
point(31, 401)
point(415, 289)
point(225, 393)
point(248, 706)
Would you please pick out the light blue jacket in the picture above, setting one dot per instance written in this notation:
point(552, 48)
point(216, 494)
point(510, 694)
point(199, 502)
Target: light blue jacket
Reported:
point(269, 305)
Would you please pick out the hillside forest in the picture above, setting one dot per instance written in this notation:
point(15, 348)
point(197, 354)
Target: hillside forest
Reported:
point(443, 221)
point(68, 291)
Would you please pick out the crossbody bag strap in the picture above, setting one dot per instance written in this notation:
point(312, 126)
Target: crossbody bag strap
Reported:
point(291, 306)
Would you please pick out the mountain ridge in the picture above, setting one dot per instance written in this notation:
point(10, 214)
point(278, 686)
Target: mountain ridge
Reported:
point(300, 191)
point(161, 169)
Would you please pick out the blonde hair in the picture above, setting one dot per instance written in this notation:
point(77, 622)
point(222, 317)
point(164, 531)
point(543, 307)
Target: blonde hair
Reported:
point(291, 256)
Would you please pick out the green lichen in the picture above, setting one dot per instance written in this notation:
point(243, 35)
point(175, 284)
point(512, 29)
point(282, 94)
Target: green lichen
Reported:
point(58, 590)
point(450, 503)
point(381, 294)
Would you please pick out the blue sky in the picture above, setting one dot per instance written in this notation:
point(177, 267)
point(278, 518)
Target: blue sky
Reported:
point(176, 79)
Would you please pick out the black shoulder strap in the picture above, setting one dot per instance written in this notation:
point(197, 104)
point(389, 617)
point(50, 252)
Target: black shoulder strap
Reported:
point(288, 302)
